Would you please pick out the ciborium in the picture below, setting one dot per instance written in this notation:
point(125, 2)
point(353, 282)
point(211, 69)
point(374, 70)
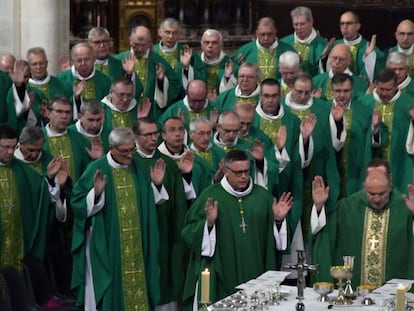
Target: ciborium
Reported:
point(323, 289)
point(363, 291)
point(340, 273)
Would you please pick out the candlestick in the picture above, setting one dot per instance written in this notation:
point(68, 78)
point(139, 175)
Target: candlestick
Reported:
point(400, 297)
point(205, 287)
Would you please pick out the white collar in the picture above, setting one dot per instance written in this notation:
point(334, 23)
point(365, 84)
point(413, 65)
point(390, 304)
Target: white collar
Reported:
point(221, 144)
point(19, 155)
point(185, 101)
point(82, 130)
point(45, 81)
point(238, 194)
point(405, 83)
point(307, 40)
point(112, 163)
point(102, 61)
point(175, 156)
point(143, 155)
point(272, 47)
point(353, 42)
point(165, 49)
point(107, 101)
point(145, 55)
point(76, 74)
point(212, 62)
point(194, 148)
point(408, 51)
point(238, 93)
point(295, 106)
point(270, 117)
point(379, 100)
point(331, 74)
point(52, 133)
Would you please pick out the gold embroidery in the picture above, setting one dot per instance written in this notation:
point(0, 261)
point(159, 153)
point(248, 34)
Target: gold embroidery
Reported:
point(354, 51)
point(212, 75)
point(301, 114)
point(141, 70)
point(345, 153)
point(387, 113)
point(206, 155)
point(89, 92)
point(102, 68)
point(121, 118)
point(302, 50)
point(270, 127)
point(43, 88)
point(374, 247)
point(195, 115)
point(267, 62)
point(170, 57)
point(61, 146)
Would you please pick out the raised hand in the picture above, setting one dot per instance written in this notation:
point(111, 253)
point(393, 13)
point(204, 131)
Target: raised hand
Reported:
point(128, 63)
point(282, 207)
point(63, 174)
point(187, 162)
point(258, 150)
point(328, 48)
point(181, 115)
point(376, 119)
point(160, 72)
point(337, 112)
point(240, 59)
point(320, 193)
point(307, 126)
point(157, 172)
point(228, 68)
point(185, 56)
point(144, 109)
point(78, 88)
point(280, 138)
point(371, 45)
point(96, 150)
point(99, 183)
point(211, 95)
point(317, 93)
point(211, 210)
point(18, 72)
point(409, 200)
point(220, 171)
point(53, 167)
point(214, 114)
point(64, 62)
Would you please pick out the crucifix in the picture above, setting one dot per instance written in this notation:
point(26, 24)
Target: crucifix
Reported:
point(373, 241)
point(243, 223)
point(300, 267)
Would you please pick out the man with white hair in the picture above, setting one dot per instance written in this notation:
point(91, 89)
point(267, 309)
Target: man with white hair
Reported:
point(398, 62)
point(289, 65)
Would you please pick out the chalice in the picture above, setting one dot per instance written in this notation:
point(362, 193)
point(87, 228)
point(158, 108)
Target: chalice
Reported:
point(340, 273)
point(363, 291)
point(323, 289)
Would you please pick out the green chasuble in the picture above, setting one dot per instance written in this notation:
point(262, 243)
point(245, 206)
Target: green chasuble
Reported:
point(23, 218)
point(97, 87)
point(19, 122)
point(393, 136)
point(381, 241)
point(51, 89)
point(309, 54)
point(5, 84)
point(323, 81)
point(113, 69)
point(239, 256)
point(358, 65)
point(170, 217)
point(228, 99)
point(173, 58)
point(115, 118)
point(173, 111)
point(123, 243)
point(145, 69)
point(407, 86)
point(266, 59)
point(212, 156)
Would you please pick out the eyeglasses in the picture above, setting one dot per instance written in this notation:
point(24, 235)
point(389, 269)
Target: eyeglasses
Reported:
point(239, 173)
point(347, 23)
point(150, 135)
point(100, 42)
point(202, 133)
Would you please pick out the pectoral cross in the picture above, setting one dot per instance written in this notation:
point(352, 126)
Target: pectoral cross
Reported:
point(374, 242)
point(243, 225)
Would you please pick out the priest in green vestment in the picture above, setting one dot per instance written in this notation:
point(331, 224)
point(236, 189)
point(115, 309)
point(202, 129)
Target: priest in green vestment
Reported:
point(115, 245)
point(374, 225)
point(339, 60)
point(40, 79)
point(405, 42)
point(170, 214)
point(5, 83)
point(152, 74)
point(367, 59)
point(101, 43)
point(234, 229)
point(289, 66)
point(247, 88)
point(264, 51)
point(398, 62)
point(82, 81)
point(23, 218)
point(180, 56)
point(310, 46)
point(391, 122)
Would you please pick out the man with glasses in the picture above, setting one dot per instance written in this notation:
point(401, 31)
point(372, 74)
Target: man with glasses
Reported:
point(233, 221)
point(82, 81)
point(101, 43)
point(367, 60)
point(246, 90)
point(115, 240)
point(373, 225)
point(23, 217)
point(339, 61)
point(151, 73)
point(404, 35)
point(170, 214)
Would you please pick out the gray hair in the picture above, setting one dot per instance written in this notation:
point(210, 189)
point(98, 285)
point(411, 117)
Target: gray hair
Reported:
point(226, 114)
point(31, 134)
point(37, 51)
point(78, 45)
point(212, 32)
point(397, 58)
point(93, 106)
point(200, 120)
point(170, 22)
point(290, 59)
point(302, 11)
point(250, 65)
point(98, 31)
point(120, 136)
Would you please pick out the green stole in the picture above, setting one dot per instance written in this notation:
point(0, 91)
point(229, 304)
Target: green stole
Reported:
point(132, 259)
point(103, 68)
point(270, 127)
point(61, 146)
point(285, 89)
point(374, 249)
point(411, 63)
point(328, 90)
point(387, 113)
point(206, 155)
point(301, 114)
point(354, 52)
point(89, 92)
point(302, 50)
point(11, 250)
point(212, 74)
point(195, 115)
point(267, 62)
point(37, 166)
point(121, 118)
point(170, 57)
point(43, 88)
point(342, 165)
point(141, 71)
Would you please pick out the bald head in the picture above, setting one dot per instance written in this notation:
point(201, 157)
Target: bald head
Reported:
point(340, 58)
point(140, 40)
point(7, 61)
point(197, 95)
point(377, 186)
point(405, 34)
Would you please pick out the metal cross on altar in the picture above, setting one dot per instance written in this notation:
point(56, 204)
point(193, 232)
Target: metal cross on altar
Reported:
point(301, 267)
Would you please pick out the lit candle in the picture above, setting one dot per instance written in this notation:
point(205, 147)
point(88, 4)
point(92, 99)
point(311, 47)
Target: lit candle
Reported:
point(400, 297)
point(205, 287)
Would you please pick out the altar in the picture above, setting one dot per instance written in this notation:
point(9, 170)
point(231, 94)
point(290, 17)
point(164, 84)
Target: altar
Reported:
point(256, 295)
